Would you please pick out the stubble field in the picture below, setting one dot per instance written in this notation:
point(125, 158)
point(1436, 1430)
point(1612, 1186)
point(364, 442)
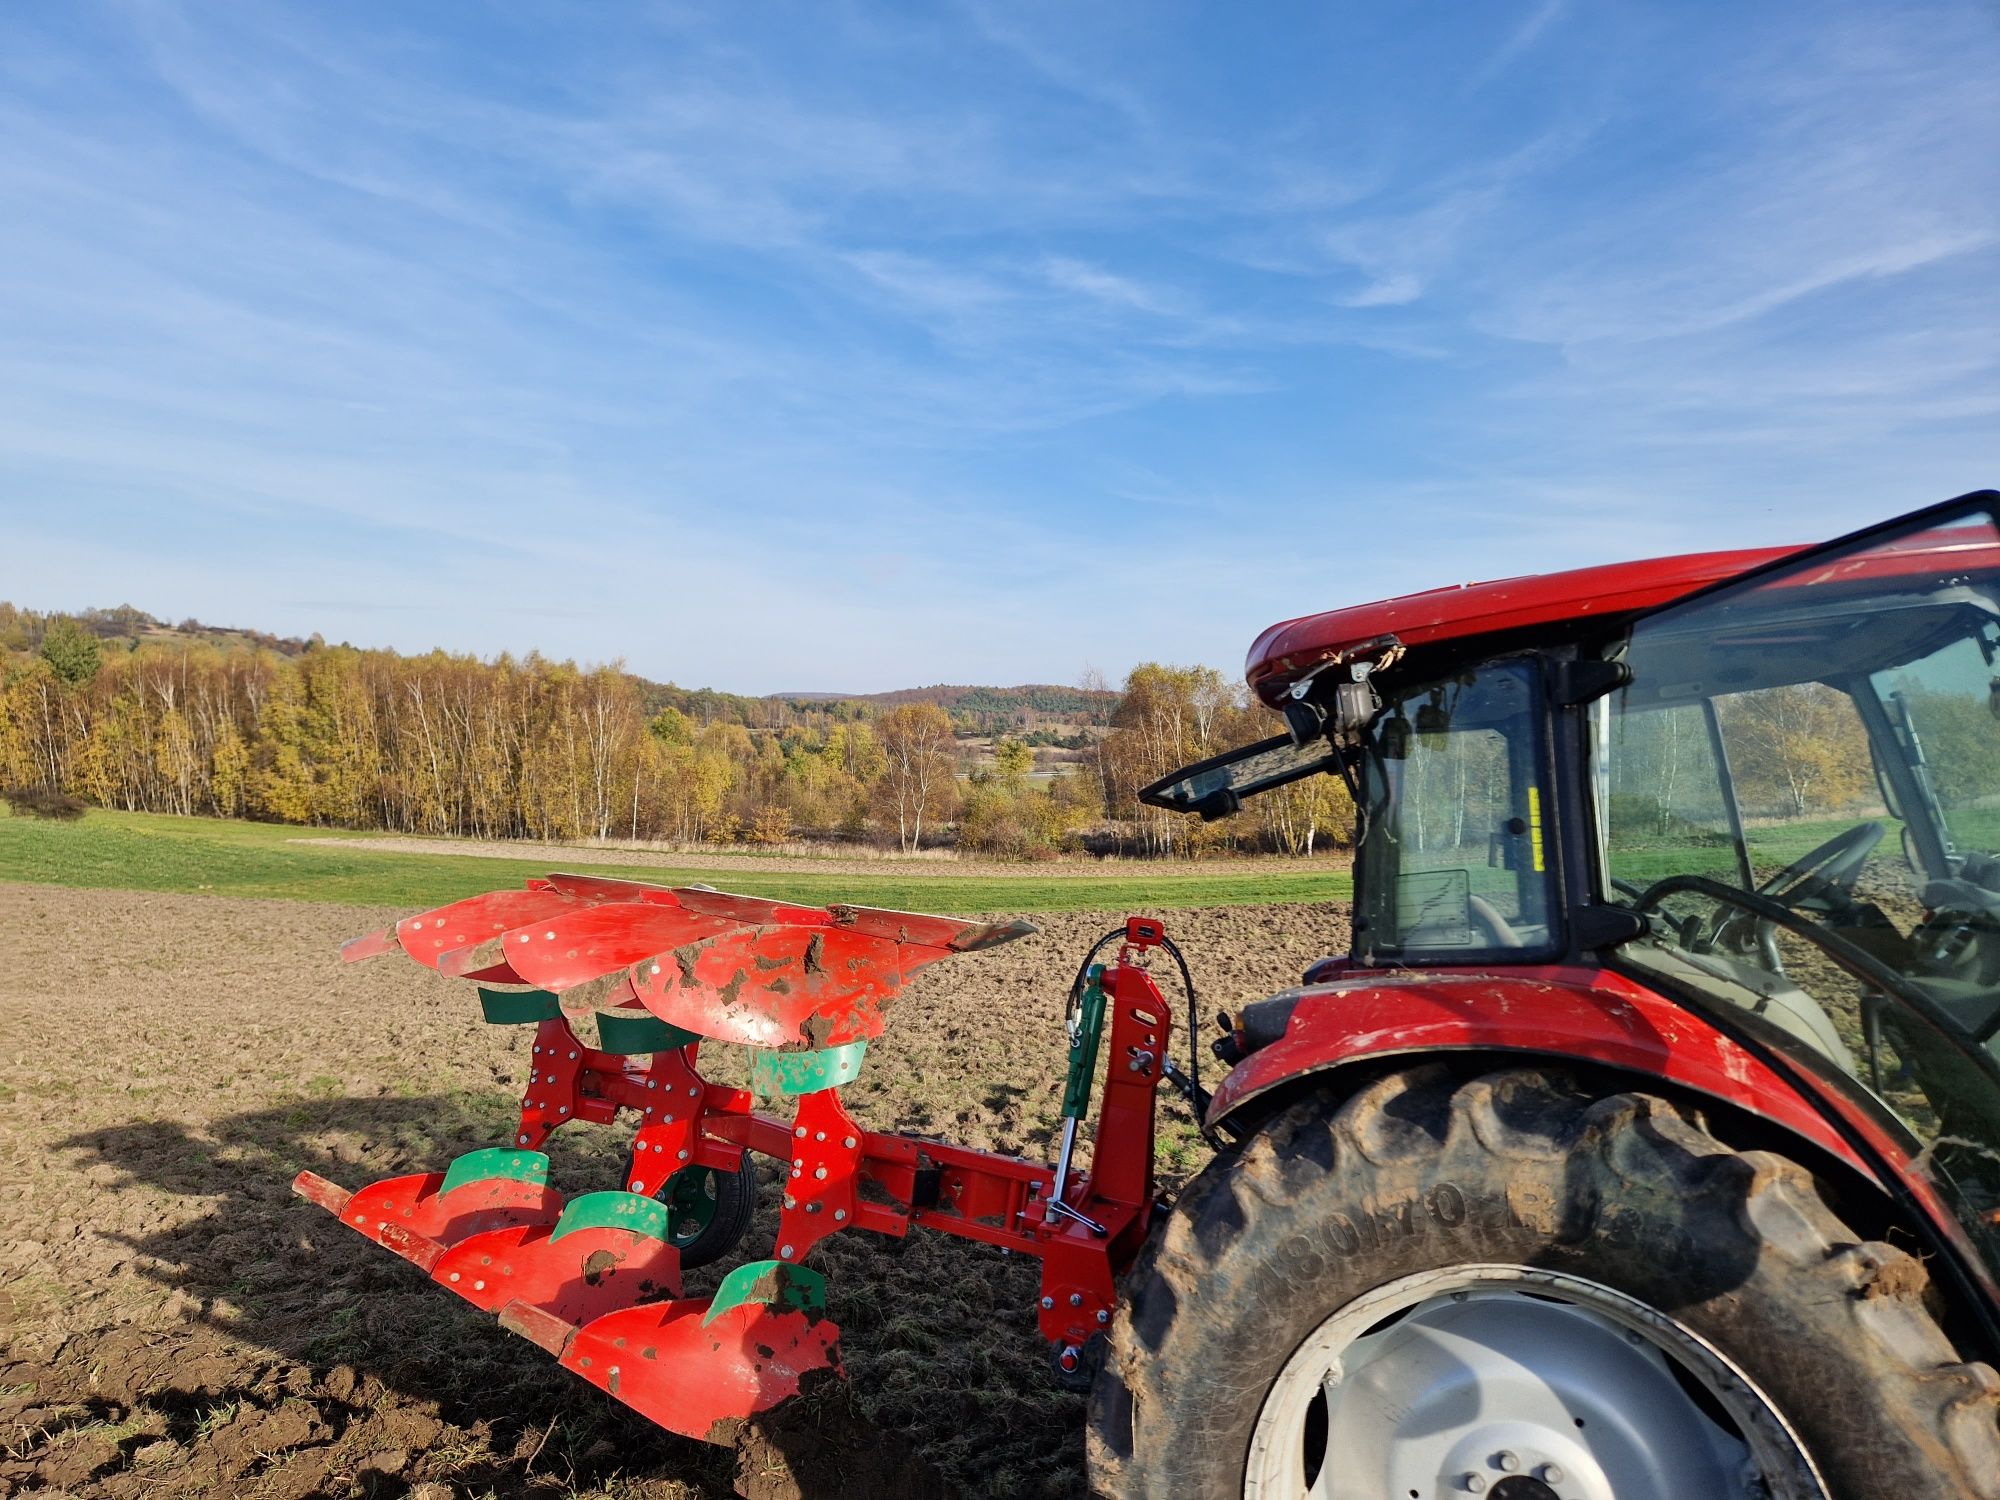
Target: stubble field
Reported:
point(174, 1322)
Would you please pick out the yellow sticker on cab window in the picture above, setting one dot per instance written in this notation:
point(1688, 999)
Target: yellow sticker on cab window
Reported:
point(1535, 827)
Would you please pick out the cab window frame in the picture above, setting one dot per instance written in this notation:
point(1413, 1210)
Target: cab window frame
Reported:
point(1379, 880)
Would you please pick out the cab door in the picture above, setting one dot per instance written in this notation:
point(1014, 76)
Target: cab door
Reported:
point(1853, 693)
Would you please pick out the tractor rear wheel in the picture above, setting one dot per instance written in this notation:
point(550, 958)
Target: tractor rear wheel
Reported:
point(1515, 1287)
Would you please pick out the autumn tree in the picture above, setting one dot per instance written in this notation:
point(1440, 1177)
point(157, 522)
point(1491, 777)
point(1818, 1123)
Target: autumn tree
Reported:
point(610, 741)
point(281, 783)
point(1167, 718)
point(670, 728)
point(1012, 760)
point(1796, 748)
point(920, 770)
point(1300, 813)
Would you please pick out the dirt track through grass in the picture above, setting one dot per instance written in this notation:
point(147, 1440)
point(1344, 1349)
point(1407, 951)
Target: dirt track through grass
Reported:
point(175, 1322)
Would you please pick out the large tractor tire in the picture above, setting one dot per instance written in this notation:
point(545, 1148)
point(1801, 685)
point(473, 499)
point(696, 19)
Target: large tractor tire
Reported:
point(1516, 1288)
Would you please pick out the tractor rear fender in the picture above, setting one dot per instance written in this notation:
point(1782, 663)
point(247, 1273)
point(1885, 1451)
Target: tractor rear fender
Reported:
point(1584, 1015)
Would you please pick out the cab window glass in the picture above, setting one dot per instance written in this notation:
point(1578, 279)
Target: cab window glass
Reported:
point(1664, 809)
point(1454, 841)
point(1853, 695)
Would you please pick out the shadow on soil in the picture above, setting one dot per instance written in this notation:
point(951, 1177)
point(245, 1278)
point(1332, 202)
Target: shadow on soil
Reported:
point(317, 1364)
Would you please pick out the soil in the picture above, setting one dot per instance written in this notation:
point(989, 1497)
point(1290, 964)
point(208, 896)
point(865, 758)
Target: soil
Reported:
point(174, 1321)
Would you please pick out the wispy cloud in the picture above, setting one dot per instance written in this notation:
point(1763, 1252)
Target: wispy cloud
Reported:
point(1107, 287)
point(1519, 40)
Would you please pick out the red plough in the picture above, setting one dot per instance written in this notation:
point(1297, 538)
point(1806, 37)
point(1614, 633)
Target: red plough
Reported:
point(596, 1279)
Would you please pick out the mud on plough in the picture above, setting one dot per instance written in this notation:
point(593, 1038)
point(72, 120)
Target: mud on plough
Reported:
point(596, 1279)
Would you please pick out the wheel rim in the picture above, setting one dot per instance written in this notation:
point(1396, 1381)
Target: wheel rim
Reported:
point(1508, 1383)
point(691, 1203)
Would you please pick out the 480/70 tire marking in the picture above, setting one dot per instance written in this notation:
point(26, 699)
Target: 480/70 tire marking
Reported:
point(1442, 1202)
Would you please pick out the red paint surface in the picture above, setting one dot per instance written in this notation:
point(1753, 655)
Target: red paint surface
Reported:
point(693, 1374)
point(1290, 647)
point(1590, 1014)
point(735, 968)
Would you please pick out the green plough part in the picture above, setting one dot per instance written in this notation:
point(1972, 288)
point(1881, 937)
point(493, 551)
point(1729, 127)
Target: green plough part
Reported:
point(628, 1031)
point(793, 1073)
point(1083, 1047)
point(613, 1210)
point(772, 1282)
point(496, 1161)
point(517, 1007)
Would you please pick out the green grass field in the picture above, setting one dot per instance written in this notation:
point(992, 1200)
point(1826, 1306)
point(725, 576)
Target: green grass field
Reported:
point(1772, 845)
point(152, 852)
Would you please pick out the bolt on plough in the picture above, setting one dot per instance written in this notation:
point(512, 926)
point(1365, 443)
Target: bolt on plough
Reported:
point(595, 1279)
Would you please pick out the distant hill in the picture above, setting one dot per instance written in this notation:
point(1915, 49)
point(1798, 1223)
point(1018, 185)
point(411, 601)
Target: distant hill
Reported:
point(976, 709)
point(123, 625)
point(1047, 698)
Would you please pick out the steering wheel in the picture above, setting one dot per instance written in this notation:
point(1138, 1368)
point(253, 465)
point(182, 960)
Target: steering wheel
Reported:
point(1830, 869)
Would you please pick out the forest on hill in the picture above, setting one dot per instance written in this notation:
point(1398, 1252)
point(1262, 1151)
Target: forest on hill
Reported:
point(119, 710)
point(1040, 712)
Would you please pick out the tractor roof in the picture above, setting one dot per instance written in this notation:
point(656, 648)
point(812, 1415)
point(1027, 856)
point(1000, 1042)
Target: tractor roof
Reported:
point(1291, 647)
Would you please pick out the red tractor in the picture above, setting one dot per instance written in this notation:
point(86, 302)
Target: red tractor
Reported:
point(1645, 1145)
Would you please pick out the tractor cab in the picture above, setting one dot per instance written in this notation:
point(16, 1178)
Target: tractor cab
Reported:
point(1764, 785)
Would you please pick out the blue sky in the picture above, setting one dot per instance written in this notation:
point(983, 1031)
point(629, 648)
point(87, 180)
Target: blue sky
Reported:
point(855, 346)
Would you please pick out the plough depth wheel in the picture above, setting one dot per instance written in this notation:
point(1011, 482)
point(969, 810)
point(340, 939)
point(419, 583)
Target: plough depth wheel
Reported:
point(710, 1209)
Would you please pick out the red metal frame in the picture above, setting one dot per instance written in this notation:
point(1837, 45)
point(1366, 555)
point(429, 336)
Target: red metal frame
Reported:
point(605, 1298)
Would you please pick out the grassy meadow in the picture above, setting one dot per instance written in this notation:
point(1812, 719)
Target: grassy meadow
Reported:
point(157, 852)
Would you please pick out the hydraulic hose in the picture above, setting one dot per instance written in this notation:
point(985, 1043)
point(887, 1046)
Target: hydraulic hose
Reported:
point(1074, 1020)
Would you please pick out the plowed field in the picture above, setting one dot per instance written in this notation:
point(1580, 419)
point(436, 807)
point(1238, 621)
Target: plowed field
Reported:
point(174, 1322)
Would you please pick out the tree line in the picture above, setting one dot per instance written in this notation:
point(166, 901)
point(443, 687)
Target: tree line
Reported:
point(533, 748)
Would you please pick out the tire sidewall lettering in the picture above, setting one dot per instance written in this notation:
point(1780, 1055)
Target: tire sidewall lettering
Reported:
point(1348, 1233)
point(1299, 1261)
point(1341, 1236)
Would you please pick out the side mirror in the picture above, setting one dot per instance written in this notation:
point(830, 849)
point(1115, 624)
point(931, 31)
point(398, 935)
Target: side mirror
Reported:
point(1305, 721)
